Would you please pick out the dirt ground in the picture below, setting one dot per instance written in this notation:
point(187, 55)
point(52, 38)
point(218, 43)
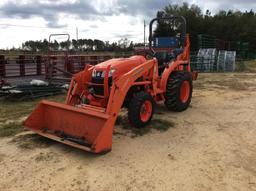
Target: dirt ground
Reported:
point(209, 147)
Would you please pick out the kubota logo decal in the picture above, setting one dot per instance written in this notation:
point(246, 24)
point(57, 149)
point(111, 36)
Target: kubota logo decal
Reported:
point(126, 83)
point(138, 71)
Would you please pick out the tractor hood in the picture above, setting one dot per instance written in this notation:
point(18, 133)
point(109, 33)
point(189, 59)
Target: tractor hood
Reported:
point(119, 66)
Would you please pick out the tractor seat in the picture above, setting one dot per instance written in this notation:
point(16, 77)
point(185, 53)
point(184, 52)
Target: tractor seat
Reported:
point(178, 51)
point(165, 57)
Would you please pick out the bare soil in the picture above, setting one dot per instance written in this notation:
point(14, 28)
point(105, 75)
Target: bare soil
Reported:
point(209, 147)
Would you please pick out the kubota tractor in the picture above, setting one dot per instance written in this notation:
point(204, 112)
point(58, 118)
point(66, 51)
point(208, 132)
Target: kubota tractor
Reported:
point(96, 95)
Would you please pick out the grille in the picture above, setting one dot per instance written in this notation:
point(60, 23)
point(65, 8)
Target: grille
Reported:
point(99, 90)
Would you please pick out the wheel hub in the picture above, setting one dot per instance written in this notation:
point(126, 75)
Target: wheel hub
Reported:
point(146, 111)
point(184, 91)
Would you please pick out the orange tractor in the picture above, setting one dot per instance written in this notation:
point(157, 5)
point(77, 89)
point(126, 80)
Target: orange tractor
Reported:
point(86, 120)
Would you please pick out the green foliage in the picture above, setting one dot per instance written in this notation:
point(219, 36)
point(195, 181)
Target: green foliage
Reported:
point(225, 25)
point(78, 45)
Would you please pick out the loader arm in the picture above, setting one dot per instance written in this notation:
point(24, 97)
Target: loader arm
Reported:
point(117, 95)
point(78, 86)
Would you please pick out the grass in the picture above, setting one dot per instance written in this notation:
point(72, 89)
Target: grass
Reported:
point(11, 114)
point(234, 84)
point(157, 124)
point(10, 110)
point(13, 111)
point(161, 124)
point(232, 81)
point(31, 141)
point(45, 157)
point(246, 66)
point(10, 129)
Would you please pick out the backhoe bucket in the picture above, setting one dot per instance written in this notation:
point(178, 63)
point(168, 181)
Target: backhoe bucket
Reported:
point(89, 129)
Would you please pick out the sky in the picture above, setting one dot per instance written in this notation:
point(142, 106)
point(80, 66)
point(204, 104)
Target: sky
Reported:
point(107, 20)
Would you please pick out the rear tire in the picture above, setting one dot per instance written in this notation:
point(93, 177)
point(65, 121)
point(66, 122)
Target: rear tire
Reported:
point(141, 109)
point(178, 91)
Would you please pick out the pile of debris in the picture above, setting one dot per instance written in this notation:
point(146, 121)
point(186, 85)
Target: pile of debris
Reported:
point(35, 89)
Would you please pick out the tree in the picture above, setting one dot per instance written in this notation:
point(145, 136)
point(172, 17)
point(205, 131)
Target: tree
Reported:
point(74, 44)
point(225, 25)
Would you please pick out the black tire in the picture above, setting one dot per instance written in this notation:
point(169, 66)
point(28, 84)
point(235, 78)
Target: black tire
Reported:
point(135, 106)
point(173, 100)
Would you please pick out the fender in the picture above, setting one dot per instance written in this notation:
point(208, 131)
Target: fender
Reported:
point(122, 85)
point(172, 66)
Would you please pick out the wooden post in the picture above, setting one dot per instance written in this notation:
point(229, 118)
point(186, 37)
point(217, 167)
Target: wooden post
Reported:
point(22, 65)
point(38, 65)
point(2, 66)
point(69, 63)
point(82, 62)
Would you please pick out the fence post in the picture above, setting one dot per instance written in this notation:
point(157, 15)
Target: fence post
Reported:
point(2, 66)
point(49, 69)
point(38, 65)
point(69, 63)
point(82, 62)
point(22, 65)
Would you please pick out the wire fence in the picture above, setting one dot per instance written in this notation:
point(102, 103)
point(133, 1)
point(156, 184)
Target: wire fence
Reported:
point(212, 55)
point(243, 50)
point(216, 55)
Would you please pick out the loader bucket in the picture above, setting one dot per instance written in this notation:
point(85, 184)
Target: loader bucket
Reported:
point(87, 129)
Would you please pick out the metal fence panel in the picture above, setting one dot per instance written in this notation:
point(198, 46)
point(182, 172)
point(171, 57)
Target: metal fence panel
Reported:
point(226, 61)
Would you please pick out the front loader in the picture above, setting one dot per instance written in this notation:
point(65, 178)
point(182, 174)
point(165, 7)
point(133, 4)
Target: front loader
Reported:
point(86, 120)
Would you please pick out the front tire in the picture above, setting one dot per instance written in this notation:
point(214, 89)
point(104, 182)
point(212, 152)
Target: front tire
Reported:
point(178, 91)
point(141, 109)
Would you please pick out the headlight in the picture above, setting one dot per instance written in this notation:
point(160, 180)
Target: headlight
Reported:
point(111, 72)
point(94, 73)
point(103, 74)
